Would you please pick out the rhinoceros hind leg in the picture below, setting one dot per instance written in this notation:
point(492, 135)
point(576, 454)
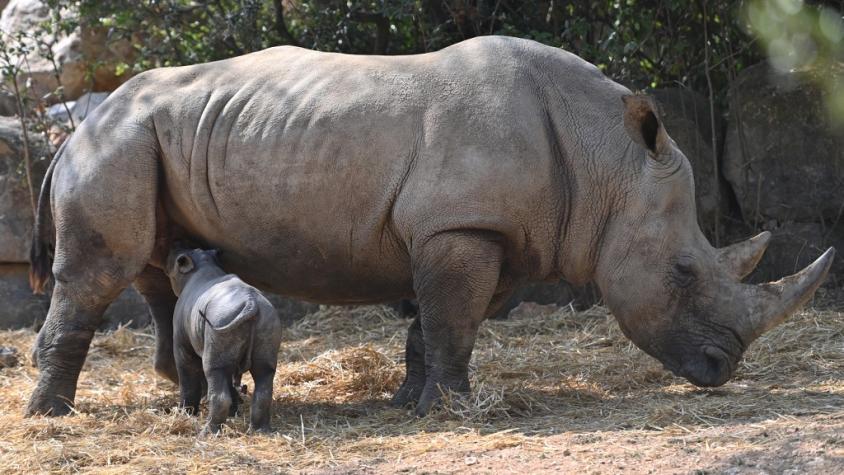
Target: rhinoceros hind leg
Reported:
point(76, 312)
point(219, 399)
point(155, 286)
point(455, 277)
point(262, 397)
point(414, 360)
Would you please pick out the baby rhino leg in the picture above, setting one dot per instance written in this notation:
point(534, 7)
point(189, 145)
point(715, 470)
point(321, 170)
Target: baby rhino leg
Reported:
point(264, 360)
point(219, 398)
point(262, 397)
point(189, 368)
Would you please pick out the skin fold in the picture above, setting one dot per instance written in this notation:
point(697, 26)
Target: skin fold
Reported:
point(450, 177)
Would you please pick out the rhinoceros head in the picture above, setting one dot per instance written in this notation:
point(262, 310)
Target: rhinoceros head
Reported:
point(674, 295)
point(183, 263)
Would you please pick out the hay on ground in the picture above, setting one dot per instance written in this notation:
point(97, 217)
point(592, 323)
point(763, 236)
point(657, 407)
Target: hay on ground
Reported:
point(548, 372)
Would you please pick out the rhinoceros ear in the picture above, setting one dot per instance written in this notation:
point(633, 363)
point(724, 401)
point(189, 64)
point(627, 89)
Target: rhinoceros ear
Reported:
point(641, 120)
point(184, 263)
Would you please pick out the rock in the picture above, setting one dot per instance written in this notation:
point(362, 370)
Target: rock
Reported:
point(782, 157)
point(406, 308)
point(78, 109)
point(557, 293)
point(130, 309)
point(16, 213)
point(290, 310)
point(86, 104)
point(75, 53)
point(8, 357)
point(60, 112)
point(686, 117)
point(8, 104)
point(22, 309)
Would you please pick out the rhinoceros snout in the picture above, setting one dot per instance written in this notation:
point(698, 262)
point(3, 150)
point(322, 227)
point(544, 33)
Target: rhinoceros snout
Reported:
point(711, 367)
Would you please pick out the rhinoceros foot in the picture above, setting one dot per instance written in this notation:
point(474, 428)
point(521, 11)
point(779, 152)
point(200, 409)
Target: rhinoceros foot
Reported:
point(409, 392)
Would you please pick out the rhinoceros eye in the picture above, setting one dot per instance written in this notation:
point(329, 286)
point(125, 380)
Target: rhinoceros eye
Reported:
point(684, 273)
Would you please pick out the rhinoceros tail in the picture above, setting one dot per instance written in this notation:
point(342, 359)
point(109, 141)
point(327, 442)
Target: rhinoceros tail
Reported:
point(43, 234)
point(247, 313)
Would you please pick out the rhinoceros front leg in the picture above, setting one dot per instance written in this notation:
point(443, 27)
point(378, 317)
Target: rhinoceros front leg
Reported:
point(414, 355)
point(455, 276)
point(414, 360)
point(155, 286)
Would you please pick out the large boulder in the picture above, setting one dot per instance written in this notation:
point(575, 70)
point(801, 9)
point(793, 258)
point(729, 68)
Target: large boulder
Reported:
point(76, 54)
point(686, 116)
point(78, 109)
point(22, 309)
point(16, 214)
point(783, 158)
point(290, 310)
point(8, 103)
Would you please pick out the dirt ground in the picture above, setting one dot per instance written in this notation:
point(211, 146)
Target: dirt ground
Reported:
point(555, 391)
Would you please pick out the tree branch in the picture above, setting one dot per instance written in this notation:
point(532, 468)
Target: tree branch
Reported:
point(281, 26)
point(382, 29)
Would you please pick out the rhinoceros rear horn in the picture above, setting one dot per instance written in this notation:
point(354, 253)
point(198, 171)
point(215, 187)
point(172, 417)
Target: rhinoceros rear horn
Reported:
point(771, 303)
point(741, 258)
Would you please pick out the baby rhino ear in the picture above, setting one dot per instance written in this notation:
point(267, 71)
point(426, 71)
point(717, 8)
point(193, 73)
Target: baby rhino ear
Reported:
point(641, 120)
point(184, 263)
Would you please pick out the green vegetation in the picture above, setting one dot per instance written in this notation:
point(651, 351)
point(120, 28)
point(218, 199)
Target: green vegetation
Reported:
point(700, 44)
point(641, 43)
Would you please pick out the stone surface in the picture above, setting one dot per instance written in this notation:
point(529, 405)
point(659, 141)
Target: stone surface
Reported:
point(22, 309)
point(8, 104)
point(290, 310)
point(686, 116)
point(130, 309)
point(558, 293)
point(75, 54)
point(78, 109)
point(8, 357)
point(16, 214)
point(782, 157)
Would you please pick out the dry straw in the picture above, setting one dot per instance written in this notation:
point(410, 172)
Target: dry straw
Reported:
point(547, 370)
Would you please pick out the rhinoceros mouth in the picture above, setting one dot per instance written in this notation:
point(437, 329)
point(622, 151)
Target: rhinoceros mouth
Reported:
point(709, 368)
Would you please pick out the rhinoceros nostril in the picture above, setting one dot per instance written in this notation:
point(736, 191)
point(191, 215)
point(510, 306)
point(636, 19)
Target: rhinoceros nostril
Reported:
point(717, 365)
point(710, 367)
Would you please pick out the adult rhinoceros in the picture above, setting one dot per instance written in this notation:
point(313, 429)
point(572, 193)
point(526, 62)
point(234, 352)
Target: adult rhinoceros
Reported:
point(451, 177)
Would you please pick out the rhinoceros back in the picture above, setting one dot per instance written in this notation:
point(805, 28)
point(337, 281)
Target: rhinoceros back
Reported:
point(329, 166)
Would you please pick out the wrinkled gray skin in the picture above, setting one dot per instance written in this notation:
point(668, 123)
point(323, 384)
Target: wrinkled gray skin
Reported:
point(222, 327)
point(451, 177)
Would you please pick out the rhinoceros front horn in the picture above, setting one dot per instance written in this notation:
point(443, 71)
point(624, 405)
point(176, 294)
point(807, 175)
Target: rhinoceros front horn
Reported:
point(741, 258)
point(771, 303)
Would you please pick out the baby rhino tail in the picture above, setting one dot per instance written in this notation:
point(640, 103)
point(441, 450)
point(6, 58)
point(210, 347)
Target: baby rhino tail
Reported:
point(247, 313)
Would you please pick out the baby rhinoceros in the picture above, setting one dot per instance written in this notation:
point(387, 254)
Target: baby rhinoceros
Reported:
point(222, 327)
